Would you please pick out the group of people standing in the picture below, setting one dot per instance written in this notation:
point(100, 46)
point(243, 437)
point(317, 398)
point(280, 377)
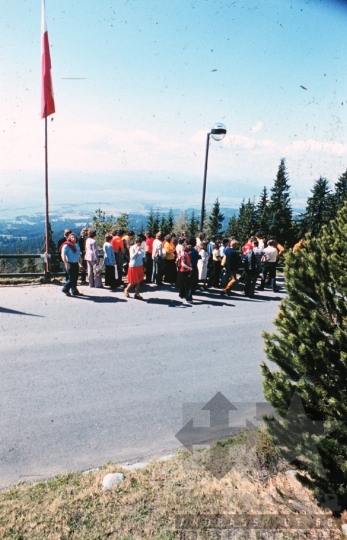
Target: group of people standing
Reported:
point(179, 261)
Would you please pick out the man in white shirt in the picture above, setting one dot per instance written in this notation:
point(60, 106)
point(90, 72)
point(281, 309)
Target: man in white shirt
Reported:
point(158, 261)
point(271, 256)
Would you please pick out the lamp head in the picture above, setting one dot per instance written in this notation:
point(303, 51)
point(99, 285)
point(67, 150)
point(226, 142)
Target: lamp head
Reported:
point(218, 131)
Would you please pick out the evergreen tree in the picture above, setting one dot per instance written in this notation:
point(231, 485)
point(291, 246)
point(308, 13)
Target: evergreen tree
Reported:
point(102, 224)
point(193, 226)
point(164, 225)
point(246, 221)
point(233, 229)
point(280, 211)
point(181, 223)
point(122, 222)
point(319, 208)
point(170, 221)
point(31, 266)
point(151, 225)
point(310, 349)
point(20, 260)
point(340, 195)
point(215, 220)
point(262, 212)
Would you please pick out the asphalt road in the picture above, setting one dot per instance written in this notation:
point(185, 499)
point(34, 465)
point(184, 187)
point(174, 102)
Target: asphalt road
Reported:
point(104, 378)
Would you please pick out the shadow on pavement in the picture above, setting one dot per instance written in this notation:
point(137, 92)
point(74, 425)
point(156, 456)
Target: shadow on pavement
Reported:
point(168, 303)
point(15, 312)
point(100, 299)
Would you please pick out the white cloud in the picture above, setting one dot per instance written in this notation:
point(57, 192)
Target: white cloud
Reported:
point(258, 126)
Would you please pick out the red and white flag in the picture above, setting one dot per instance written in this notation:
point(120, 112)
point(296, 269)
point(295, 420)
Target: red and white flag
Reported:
point(47, 99)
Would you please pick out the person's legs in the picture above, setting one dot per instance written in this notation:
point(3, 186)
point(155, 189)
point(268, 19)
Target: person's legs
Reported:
point(272, 276)
point(149, 267)
point(67, 286)
point(230, 283)
point(74, 278)
point(127, 289)
point(90, 265)
point(83, 272)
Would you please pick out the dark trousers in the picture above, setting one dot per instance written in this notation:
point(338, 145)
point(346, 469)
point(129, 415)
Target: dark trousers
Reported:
point(149, 267)
point(120, 260)
point(194, 279)
point(157, 270)
point(72, 275)
point(215, 274)
point(170, 271)
point(110, 279)
point(270, 269)
point(250, 281)
point(186, 287)
point(84, 271)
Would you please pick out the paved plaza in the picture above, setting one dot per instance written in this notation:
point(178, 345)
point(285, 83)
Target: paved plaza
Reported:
point(86, 380)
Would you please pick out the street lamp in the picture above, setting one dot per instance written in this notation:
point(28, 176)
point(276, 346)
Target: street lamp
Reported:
point(218, 132)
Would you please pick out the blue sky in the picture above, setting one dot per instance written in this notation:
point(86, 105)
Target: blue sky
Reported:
point(154, 77)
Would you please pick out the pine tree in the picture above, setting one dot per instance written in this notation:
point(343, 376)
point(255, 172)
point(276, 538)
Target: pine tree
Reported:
point(193, 226)
point(164, 225)
point(262, 212)
point(150, 226)
point(102, 224)
point(122, 222)
point(280, 211)
point(340, 195)
point(215, 220)
point(319, 208)
point(52, 246)
point(310, 349)
point(246, 222)
point(170, 221)
point(232, 229)
point(30, 265)
point(181, 223)
point(20, 260)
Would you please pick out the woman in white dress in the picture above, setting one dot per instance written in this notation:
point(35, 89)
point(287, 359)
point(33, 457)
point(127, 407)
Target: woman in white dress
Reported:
point(203, 262)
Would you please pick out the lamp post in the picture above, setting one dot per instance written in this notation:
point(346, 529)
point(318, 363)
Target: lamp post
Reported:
point(218, 132)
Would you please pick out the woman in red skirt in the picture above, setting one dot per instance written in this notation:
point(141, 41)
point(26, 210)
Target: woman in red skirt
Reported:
point(135, 272)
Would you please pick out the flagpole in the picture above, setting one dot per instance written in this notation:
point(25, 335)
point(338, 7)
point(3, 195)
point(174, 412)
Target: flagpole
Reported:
point(47, 272)
point(47, 108)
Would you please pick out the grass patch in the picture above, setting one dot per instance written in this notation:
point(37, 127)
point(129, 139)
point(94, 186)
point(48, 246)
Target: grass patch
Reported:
point(146, 505)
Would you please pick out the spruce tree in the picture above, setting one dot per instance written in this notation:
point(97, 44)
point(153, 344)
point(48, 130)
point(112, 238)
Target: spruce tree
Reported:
point(215, 220)
point(163, 225)
point(151, 225)
point(310, 349)
point(102, 224)
point(52, 246)
point(262, 212)
point(20, 260)
point(319, 208)
point(30, 265)
point(280, 211)
point(193, 226)
point(340, 195)
point(232, 229)
point(170, 221)
point(246, 221)
point(122, 222)
point(181, 223)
